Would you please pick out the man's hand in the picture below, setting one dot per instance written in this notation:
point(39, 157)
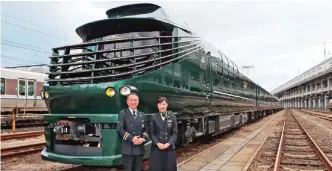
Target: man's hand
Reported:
point(135, 140)
point(140, 141)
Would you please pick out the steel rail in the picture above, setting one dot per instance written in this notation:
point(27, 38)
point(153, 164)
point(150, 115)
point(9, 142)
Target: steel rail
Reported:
point(318, 115)
point(280, 147)
point(21, 150)
point(21, 135)
point(319, 151)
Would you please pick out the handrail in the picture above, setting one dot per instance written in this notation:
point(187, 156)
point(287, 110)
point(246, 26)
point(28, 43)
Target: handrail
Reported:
point(81, 45)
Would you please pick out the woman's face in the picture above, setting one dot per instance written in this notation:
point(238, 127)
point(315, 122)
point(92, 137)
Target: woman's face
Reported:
point(162, 106)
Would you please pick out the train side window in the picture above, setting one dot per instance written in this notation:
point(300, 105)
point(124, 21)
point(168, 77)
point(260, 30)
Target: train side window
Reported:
point(231, 77)
point(168, 80)
point(21, 87)
point(216, 82)
point(157, 79)
point(3, 85)
point(194, 75)
point(177, 83)
point(31, 88)
point(226, 74)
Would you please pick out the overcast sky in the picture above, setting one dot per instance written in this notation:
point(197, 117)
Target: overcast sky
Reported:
point(278, 38)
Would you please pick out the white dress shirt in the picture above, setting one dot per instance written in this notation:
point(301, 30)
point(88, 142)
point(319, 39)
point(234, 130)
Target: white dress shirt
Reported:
point(131, 111)
point(163, 118)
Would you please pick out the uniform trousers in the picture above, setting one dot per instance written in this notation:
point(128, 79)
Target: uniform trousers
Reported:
point(132, 162)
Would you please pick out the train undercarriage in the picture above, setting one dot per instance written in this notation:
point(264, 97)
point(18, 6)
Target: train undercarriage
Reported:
point(215, 123)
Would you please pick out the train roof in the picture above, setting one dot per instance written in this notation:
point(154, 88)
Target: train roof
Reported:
point(16, 74)
point(129, 18)
point(138, 8)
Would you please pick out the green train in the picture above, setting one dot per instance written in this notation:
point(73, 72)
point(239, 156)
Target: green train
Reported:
point(139, 49)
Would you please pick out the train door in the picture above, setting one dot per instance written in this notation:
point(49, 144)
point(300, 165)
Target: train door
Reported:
point(26, 96)
point(31, 86)
point(22, 99)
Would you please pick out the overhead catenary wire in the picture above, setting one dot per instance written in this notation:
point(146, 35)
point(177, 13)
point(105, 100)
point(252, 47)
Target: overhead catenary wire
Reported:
point(27, 53)
point(32, 23)
point(25, 66)
point(24, 44)
point(17, 58)
point(10, 63)
point(26, 25)
point(26, 48)
point(37, 31)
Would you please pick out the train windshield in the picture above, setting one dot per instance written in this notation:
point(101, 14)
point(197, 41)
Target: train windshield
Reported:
point(148, 11)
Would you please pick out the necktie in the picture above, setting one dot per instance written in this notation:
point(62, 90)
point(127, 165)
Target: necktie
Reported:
point(134, 113)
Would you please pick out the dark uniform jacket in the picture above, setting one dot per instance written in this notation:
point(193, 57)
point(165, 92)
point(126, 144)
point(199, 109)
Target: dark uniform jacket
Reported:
point(164, 131)
point(128, 127)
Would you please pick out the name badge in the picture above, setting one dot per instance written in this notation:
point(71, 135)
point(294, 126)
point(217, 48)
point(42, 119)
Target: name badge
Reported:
point(169, 123)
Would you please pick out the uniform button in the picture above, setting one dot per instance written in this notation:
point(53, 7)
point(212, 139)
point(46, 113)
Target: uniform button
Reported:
point(132, 124)
point(166, 133)
point(133, 132)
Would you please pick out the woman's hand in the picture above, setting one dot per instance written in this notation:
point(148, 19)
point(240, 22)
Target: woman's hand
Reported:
point(160, 146)
point(163, 146)
point(166, 145)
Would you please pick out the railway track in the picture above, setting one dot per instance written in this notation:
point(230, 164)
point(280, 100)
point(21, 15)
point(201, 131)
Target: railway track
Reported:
point(325, 112)
point(21, 150)
point(318, 115)
point(298, 150)
point(21, 135)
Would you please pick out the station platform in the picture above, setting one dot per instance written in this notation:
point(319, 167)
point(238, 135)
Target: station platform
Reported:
point(233, 154)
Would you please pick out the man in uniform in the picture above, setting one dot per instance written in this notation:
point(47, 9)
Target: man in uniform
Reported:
point(132, 127)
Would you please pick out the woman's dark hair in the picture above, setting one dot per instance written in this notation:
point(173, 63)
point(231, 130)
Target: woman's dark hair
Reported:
point(162, 99)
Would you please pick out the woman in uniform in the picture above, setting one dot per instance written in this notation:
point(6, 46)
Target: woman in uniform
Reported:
point(163, 132)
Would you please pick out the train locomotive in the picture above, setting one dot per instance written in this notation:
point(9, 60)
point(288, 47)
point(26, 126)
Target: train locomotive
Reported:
point(138, 48)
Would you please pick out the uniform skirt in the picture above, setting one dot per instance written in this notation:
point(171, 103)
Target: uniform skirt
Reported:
point(162, 160)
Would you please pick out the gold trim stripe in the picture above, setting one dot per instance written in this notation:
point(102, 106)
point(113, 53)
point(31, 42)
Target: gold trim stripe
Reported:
point(125, 136)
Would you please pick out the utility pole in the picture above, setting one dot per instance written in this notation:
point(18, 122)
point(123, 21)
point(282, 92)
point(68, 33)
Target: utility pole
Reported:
point(324, 50)
point(248, 67)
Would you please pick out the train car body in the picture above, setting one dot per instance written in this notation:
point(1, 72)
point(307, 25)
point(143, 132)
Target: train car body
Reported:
point(138, 49)
point(21, 90)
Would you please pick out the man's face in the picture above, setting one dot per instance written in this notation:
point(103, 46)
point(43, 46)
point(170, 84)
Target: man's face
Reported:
point(132, 101)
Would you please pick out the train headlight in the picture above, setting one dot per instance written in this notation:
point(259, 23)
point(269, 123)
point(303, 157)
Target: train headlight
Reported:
point(110, 92)
point(46, 94)
point(125, 91)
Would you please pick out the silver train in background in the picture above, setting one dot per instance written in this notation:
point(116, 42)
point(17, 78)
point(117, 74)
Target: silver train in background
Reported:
point(21, 90)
